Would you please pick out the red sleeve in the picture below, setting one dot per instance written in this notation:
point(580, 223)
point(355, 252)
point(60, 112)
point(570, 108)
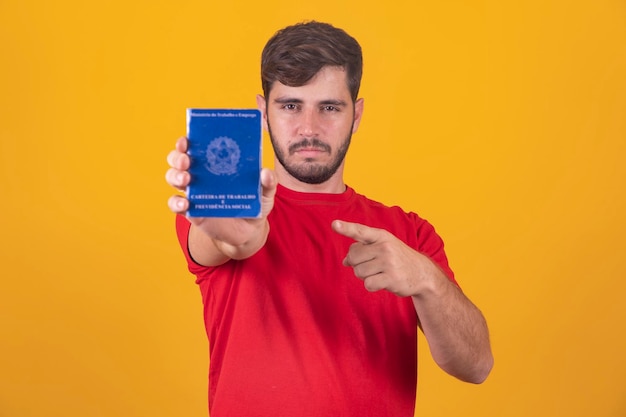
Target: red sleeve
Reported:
point(182, 231)
point(431, 245)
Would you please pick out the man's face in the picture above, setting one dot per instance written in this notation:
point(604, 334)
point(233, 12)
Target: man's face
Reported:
point(310, 126)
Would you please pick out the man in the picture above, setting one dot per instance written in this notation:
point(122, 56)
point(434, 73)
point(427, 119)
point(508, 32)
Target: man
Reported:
point(313, 308)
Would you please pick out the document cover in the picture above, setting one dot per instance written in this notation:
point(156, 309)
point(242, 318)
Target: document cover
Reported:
point(225, 152)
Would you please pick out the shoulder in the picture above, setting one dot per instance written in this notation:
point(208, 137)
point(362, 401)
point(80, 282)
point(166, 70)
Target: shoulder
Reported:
point(389, 213)
point(408, 226)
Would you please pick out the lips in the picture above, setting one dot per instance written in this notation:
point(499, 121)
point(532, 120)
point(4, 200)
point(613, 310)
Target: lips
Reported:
point(309, 146)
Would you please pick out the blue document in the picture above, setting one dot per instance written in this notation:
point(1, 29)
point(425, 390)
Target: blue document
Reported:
point(225, 152)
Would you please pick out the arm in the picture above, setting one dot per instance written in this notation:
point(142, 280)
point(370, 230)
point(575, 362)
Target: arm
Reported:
point(455, 329)
point(213, 241)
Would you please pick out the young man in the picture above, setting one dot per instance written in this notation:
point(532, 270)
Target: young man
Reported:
point(313, 309)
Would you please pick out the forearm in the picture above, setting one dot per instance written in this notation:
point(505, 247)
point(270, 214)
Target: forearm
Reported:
point(214, 248)
point(455, 329)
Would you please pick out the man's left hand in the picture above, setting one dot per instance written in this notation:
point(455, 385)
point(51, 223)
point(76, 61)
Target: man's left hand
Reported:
point(383, 261)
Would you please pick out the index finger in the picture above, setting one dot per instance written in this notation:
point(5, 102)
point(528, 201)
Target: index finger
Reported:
point(178, 157)
point(356, 231)
point(181, 144)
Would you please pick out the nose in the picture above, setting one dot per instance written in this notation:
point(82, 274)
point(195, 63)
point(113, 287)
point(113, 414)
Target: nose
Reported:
point(309, 123)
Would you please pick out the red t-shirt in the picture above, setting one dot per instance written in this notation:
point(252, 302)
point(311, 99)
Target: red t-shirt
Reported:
point(292, 332)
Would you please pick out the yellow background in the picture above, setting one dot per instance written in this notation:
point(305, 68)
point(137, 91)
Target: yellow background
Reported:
point(502, 122)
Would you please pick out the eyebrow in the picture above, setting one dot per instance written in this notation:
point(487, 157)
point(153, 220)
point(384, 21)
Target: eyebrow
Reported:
point(287, 100)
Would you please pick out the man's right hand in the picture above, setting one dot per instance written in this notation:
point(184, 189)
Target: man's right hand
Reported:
point(213, 241)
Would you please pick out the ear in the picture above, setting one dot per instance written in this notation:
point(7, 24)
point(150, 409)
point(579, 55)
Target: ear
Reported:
point(262, 106)
point(358, 113)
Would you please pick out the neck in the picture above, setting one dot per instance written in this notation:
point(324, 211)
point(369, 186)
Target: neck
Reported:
point(334, 185)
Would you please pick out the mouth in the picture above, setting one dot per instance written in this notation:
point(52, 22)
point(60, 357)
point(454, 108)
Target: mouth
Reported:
point(309, 154)
point(308, 148)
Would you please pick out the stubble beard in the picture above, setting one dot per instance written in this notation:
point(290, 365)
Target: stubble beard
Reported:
point(311, 172)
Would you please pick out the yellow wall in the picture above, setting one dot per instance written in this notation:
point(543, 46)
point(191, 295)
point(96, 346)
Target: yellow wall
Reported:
point(504, 123)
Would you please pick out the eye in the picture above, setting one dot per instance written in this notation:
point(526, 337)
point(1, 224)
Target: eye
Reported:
point(330, 108)
point(290, 106)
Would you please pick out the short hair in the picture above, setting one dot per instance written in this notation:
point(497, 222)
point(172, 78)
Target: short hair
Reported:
point(296, 53)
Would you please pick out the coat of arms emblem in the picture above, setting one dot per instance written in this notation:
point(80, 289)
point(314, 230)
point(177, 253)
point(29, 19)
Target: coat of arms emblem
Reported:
point(222, 156)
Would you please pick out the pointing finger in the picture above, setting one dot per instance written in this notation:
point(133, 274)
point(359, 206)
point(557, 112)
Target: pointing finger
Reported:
point(356, 231)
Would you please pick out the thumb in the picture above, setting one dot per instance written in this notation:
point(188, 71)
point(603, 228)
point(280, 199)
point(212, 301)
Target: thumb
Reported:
point(269, 183)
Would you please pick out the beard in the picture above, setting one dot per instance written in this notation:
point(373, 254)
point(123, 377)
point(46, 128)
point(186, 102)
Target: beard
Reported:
point(311, 172)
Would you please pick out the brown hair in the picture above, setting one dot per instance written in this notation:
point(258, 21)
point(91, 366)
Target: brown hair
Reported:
point(296, 53)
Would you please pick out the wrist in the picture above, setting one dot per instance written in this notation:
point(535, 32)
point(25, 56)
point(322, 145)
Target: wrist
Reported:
point(250, 246)
point(433, 282)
